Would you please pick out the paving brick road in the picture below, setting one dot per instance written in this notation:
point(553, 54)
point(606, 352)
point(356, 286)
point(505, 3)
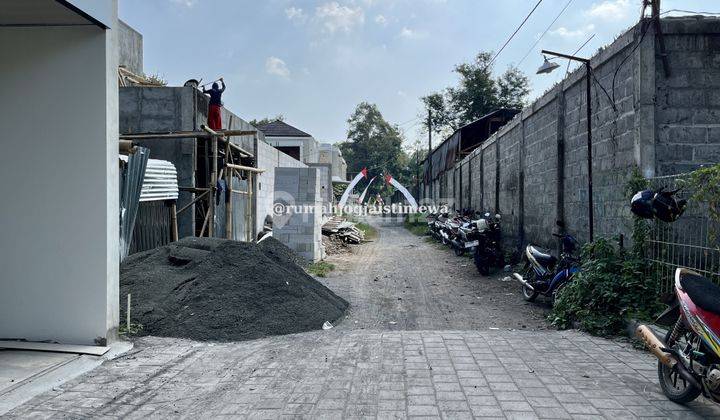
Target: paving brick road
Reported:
point(428, 363)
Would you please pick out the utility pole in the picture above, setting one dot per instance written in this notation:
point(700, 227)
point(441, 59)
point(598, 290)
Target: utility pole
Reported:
point(429, 155)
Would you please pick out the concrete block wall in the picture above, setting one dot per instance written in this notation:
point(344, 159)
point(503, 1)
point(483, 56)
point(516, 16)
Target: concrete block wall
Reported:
point(687, 110)
point(130, 48)
point(661, 125)
point(162, 109)
point(269, 159)
point(301, 231)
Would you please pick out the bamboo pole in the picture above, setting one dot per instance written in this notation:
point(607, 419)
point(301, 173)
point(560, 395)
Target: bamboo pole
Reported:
point(195, 200)
point(205, 222)
point(228, 197)
point(173, 222)
point(248, 207)
point(213, 186)
point(244, 168)
point(242, 151)
point(184, 134)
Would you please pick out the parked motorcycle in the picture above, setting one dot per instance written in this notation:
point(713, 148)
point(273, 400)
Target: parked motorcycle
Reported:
point(488, 251)
point(466, 236)
point(545, 274)
point(689, 354)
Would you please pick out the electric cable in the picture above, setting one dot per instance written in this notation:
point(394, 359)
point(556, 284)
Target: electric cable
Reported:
point(545, 32)
point(513, 34)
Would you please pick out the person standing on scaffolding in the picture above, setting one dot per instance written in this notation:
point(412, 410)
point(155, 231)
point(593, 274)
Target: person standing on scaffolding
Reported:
point(214, 117)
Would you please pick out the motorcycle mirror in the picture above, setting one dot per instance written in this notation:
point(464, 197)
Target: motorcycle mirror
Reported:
point(487, 214)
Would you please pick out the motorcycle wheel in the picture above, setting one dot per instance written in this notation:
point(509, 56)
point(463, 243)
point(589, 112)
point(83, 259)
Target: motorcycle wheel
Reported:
point(528, 295)
point(674, 387)
point(482, 264)
point(459, 251)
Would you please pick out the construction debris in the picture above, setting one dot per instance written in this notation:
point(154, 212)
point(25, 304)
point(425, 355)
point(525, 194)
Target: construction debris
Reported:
point(334, 245)
point(222, 290)
point(342, 229)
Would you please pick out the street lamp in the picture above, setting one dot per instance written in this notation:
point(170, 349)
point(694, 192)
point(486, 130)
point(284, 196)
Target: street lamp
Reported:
point(549, 66)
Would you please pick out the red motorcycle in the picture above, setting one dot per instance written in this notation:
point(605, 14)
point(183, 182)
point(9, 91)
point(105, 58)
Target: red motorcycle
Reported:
point(689, 355)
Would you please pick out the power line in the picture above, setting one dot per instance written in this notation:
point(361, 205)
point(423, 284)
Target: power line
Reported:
point(567, 70)
point(545, 32)
point(513, 34)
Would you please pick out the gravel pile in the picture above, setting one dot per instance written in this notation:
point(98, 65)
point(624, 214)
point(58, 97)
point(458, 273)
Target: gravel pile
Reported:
point(221, 290)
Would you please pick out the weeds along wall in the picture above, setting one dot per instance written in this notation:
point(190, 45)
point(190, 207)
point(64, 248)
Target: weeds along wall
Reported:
point(534, 170)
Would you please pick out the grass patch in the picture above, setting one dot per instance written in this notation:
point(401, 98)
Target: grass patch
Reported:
point(416, 224)
point(134, 329)
point(369, 231)
point(320, 268)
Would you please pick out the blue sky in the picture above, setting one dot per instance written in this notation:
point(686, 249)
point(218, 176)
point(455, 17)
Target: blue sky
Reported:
point(313, 61)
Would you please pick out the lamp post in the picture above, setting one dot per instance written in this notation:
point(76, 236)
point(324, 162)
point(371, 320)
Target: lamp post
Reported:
point(549, 66)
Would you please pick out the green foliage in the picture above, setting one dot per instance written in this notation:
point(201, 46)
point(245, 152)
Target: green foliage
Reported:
point(476, 94)
point(613, 284)
point(320, 268)
point(416, 224)
point(367, 230)
point(375, 144)
point(705, 184)
point(641, 227)
point(266, 120)
point(611, 287)
point(134, 329)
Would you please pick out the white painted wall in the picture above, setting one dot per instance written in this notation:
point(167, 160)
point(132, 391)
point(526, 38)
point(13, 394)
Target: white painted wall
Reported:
point(58, 166)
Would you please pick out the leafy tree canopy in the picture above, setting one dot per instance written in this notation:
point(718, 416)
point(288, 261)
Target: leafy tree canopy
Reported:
point(266, 120)
point(476, 94)
point(375, 144)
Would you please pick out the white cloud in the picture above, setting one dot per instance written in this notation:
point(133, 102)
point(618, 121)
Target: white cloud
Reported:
point(381, 20)
point(295, 14)
point(186, 3)
point(573, 33)
point(277, 67)
point(335, 17)
point(407, 33)
point(610, 9)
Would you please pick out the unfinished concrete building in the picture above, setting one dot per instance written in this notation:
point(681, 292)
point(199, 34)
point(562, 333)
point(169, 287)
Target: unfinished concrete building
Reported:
point(227, 182)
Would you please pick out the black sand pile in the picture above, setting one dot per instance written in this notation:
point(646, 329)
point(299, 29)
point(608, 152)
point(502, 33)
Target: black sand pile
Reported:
point(281, 252)
point(221, 290)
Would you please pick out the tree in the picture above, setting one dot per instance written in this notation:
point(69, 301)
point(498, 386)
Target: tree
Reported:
point(476, 94)
point(266, 120)
point(375, 144)
point(513, 88)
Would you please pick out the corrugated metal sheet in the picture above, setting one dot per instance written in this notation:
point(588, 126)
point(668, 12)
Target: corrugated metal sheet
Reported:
point(160, 181)
point(152, 226)
point(131, 179)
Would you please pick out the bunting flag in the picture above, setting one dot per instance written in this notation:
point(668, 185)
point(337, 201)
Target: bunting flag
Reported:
point(348, 190)
point(392, 181)
point(362, 196)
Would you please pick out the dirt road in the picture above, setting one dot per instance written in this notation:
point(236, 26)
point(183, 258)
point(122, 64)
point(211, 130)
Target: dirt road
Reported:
point(401, 281)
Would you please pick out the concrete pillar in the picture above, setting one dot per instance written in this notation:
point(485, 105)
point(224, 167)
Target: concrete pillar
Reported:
point(644, 93)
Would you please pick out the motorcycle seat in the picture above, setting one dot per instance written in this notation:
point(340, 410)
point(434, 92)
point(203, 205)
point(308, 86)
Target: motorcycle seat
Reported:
point(703, 292)
point(543, 258)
